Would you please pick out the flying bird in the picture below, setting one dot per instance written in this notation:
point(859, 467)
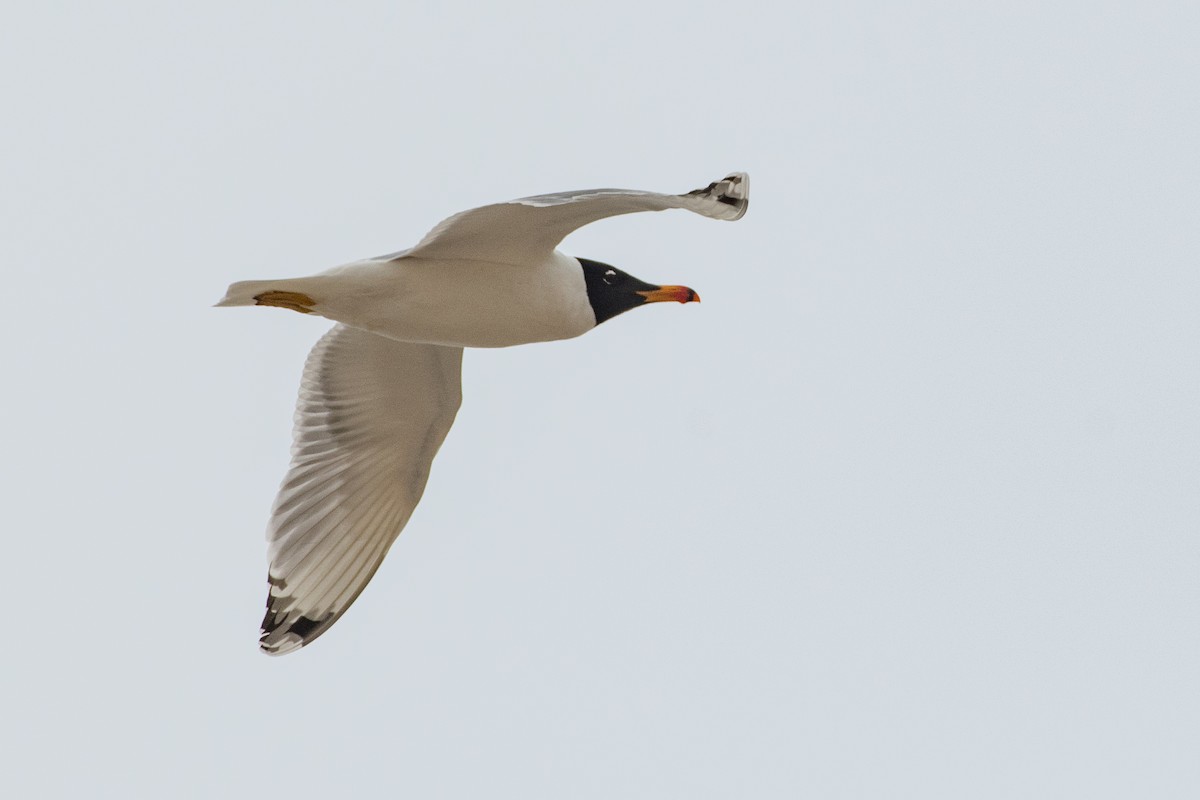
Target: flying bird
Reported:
point(380, 390)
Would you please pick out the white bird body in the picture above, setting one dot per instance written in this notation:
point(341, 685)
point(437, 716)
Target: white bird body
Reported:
point(381, 389)
point(456, 302)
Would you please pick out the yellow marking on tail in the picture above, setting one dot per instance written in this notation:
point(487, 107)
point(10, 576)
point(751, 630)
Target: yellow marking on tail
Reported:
point(296, 301)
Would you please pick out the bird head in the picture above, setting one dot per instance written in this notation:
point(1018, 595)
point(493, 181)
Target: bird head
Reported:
point(612, 292)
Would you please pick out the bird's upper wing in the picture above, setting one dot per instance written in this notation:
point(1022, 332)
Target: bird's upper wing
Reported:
point(527, 230)
point(371, 416)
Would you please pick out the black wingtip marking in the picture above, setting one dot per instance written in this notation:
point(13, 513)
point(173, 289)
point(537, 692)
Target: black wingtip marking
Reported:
point(303, 626)
point(706, 190)
point(277, 624)
point(710, 191)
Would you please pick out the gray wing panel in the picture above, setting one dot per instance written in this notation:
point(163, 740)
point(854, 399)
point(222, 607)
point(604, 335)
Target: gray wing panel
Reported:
point(528, 230)
point(371, 416)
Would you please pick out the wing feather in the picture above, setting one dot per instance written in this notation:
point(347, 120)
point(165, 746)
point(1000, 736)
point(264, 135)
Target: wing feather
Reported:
point(371, 416)
point(527, 230)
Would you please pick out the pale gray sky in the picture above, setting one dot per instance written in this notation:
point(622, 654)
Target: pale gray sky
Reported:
point(907, 508)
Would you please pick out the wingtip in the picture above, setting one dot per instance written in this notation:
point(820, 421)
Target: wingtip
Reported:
point(732, 192)
point(284, 630)
point(273, 649)
point(737, 190)
point(282, 640)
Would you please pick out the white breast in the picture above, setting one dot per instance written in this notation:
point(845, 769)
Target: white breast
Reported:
point(461, 303)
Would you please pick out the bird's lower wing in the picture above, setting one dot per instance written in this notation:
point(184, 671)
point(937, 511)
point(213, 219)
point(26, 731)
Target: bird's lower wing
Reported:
point(371, 416)
point(528, 230)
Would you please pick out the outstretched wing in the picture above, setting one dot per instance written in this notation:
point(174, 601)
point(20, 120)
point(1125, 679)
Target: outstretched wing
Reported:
point(527, 230)
point(371, 416)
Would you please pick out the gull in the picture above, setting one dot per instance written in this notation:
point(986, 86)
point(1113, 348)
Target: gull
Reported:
point(381, 389)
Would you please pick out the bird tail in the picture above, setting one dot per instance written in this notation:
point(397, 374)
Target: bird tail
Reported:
point(292, 293)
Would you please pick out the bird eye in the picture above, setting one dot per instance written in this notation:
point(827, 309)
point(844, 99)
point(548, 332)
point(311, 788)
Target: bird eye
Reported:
point(611, 276)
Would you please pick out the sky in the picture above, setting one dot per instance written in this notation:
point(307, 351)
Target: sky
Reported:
point(907, 507)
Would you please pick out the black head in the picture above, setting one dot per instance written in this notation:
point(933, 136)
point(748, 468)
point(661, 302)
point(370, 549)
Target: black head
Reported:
point(612, 292)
